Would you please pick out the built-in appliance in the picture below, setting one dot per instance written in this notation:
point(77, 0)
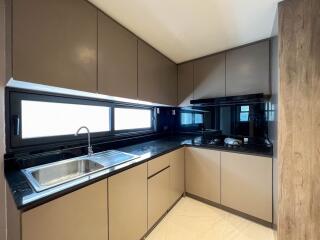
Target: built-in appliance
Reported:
point(243, 99)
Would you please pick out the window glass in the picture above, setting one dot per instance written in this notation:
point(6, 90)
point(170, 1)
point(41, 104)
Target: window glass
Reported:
point(198, 118)
point(244, 108)
point(47, 119)
point(244, 113)
point(132, 118)
point(244, 117)
point(191, 118)
point(186, 118)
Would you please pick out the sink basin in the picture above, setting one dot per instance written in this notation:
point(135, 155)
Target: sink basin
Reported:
point(50, 175)
point(53, 174)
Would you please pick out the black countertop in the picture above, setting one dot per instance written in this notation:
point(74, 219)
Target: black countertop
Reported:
point(26, 197)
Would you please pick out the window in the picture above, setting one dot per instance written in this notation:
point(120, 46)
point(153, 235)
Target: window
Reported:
point(132, 118)
point(244, 113)
point(47, 119)
point(270, 110)
point(191, 118)
point(36, 119)
point(198, 118)
point(186, 118)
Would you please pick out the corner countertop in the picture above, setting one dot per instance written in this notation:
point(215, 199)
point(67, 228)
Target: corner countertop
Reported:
point(26, 197)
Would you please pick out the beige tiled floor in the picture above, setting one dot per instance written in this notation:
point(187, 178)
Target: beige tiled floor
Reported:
point(193, 220)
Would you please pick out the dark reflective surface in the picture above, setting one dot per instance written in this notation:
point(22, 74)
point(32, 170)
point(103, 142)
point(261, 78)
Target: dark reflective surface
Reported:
point(244, 120)
point(26, 197)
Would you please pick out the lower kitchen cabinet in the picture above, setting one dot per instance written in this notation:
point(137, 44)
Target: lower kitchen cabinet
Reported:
point(177, 185)
point(128, 204)
point(80, 215)
point(246, 184)
point(158, 196)
point(158, 164)
point(203, 173)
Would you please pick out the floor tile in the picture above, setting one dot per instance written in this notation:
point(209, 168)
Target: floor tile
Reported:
point(194, 220)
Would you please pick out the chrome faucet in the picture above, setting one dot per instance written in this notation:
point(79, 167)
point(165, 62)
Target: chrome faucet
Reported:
point(90, 152)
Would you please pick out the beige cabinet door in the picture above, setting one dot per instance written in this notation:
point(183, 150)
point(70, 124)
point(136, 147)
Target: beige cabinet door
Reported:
point(246, 184)
point(80, 215)
point(247, 70)
point(210, 76)
point(117, 59)
point(128, 204)
point(158, 196)
point(177, 183)
point(55, 43)
point(157, 76)
point(203, 173)
point(158, 164)
point(185, 84)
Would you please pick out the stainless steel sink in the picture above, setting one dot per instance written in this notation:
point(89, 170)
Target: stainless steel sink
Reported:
point(53, 174)
point(50, 175)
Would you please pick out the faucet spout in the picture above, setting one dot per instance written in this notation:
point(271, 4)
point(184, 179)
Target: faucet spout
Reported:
point(90, 151)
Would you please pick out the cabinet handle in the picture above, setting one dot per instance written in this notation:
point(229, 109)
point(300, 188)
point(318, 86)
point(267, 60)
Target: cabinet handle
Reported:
point(158, 172)
point(16, 125)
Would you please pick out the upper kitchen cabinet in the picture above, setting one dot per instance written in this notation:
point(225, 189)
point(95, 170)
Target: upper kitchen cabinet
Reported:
point(248, 70)
point(55, 43)
point(185, 83)
point(117, 59)
point(210, 76)
point(157, 76)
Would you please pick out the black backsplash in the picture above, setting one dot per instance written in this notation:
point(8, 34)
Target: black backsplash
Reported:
point(244, 120)
point(238, 120)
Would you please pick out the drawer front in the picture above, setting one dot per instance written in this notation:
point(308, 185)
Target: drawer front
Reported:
point(158, 164)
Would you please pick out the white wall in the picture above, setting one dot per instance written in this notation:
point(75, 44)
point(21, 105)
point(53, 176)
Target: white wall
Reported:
point(2, 137)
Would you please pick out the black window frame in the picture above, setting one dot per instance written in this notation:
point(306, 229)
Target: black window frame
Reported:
point(14, 141)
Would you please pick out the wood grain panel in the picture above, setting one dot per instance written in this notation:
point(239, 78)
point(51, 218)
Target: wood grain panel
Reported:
point(299, 120)
point(3, 57)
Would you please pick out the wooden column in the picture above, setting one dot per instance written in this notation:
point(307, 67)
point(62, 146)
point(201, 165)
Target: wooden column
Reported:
point(299, 120)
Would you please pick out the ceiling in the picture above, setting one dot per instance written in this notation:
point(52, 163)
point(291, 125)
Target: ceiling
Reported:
point(187, 29)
